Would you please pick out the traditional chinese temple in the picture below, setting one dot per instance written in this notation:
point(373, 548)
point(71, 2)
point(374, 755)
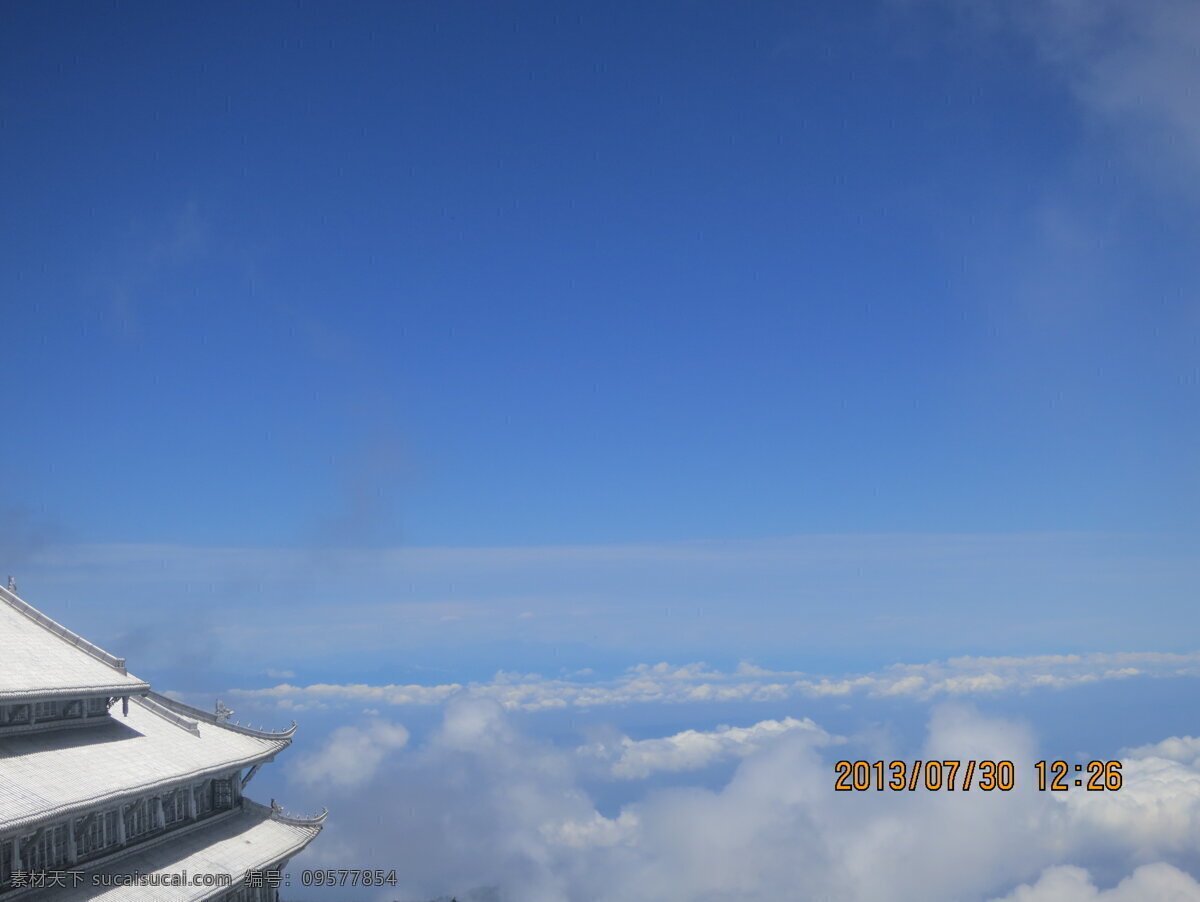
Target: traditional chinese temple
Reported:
point(109, 789)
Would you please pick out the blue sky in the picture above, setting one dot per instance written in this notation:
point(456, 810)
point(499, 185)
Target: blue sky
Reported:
point(470, 346)
point(519, 275)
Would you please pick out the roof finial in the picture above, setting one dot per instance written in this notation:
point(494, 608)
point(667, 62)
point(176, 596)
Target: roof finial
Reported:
point(222, 712)
point(12, 585)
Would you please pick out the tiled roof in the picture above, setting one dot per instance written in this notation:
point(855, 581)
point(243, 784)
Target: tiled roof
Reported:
point(41, 658)
point(251, 839)
point(44, 776)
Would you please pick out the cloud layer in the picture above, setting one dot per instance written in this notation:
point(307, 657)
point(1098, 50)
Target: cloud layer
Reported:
point(494, 807)
point(665, 683)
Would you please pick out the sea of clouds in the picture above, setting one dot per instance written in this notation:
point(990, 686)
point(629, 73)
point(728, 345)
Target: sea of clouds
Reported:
point(482, 795)
point(482, 803)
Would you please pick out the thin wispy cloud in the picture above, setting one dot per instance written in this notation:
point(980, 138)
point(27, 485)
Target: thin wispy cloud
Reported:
point(24, 533)
point(1134, 65)
point(1131, 68)
point(146, 268)
point(882, 596)
point(1125, 163)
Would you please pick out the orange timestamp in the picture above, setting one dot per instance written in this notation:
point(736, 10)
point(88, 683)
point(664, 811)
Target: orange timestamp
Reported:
point(985, 776)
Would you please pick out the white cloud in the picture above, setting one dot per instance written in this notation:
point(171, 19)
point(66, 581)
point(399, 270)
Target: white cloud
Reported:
point(597, 831)
point(630, 759)
point(1157, 810)
point(320, 695)
point(1184, 749)
point(1158, 882)
point(664, 683)
point(472, 724)
point(484, 804)
point(351, 755)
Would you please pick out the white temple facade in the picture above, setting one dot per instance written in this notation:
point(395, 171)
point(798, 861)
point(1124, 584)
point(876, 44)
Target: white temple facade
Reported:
point(110, 791)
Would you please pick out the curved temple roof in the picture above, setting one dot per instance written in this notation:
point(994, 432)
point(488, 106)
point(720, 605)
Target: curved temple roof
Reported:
point(251, 839)
point(157, 744)
point(44, 776)
point(195, 714)
point(40, 658)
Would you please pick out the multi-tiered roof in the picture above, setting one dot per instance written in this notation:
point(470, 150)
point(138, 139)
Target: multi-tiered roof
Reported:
point(104, 782)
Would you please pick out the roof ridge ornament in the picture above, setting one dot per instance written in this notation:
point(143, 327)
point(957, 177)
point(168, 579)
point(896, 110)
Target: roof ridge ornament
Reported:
point(278, 813)
point(12, 584)
point(220, 716)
